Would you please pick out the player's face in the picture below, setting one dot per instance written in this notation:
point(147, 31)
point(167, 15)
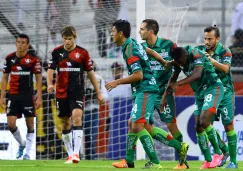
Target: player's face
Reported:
point(144, 33)
point(115, 34)
point(210, 40)
point(182, 61)
point(69, 42)
point(117, 73)
point(21, 44)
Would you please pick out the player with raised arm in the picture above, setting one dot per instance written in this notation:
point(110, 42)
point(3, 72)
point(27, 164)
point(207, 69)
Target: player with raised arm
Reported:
point(209, 92)
point(144, 91)
point(71, 61)
point(220, 56)
point(148, 31)
point(21, 66)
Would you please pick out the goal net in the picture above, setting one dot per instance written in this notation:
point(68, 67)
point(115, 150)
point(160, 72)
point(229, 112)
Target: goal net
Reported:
point(105, 128)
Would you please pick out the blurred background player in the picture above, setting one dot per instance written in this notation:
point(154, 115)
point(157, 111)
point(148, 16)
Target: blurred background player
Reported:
point(144, 91)
point(220, 56)
point(71, 61)
point(148, 31)
point(91, 115)
point(209, 92)
point(21, 66)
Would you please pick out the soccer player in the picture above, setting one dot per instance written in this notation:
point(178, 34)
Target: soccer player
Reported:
point(144, 91)
point(220, 56)
point(209, 92)
point(71, 61)
point(21, 66)
point(148, 31)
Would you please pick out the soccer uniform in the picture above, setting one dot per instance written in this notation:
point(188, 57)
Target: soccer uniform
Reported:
point(21, 93)
point(226, 107)
point(164, 47)
point(145, 91)
point(208, 89)
point(70, 67)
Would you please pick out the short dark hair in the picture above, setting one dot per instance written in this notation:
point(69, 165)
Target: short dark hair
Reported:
point(24, 36)
point(69, 31)
point(117, 65)
point(152, 25)
point(178, 52)
point(215, 28)
point(238, 34)
point(124, 26)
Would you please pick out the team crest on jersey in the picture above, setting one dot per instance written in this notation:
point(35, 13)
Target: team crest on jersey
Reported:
point(27, 61)
point(77, 55)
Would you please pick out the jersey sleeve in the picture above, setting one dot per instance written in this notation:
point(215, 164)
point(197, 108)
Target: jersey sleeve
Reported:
point(198, 57)
point(52, 64)
point(87, 61)
point(134, 54)
point(6, 66)
point(227, 57)
point(37, 67)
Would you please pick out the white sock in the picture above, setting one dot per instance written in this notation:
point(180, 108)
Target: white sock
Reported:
point(29, 141)
point(78, 137)
point(18, 137)
point(67, 139)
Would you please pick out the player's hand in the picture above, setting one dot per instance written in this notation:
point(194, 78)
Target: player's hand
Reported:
point(168, 65)
point(3, 103)
point(113, 84)
point(171, 87)
point(100, 98)
point(50, 88)
point(38, 102)
point(207, 54)
point(163, 103)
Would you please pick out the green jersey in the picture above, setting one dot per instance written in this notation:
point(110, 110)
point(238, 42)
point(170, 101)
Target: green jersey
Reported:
point(223, 55)
point(208, 77)
point(163, 47)
point(136, 59)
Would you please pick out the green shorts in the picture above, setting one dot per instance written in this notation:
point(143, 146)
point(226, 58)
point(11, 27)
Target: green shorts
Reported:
point(168, 116)
point(226, 109)
point(212, 99)
point(143, 107)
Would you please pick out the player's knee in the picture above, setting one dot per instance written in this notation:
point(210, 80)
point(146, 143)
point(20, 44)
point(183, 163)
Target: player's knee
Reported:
point(229, 127)
point(130, 124)
point(172, 127)
point(12, 127)
point(198, 127)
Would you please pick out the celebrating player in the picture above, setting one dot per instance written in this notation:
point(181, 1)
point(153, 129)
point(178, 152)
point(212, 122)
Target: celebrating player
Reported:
point(209, 92)
point(148, 31)
point(21, 66)
point(144, 91)
point(220, 56)
point(71, 61)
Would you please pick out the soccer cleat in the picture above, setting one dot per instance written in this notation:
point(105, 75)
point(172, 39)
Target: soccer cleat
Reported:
point(223, 161)
point(26, 157)
point(183, 153)
point(20, 152)
point(181, 166)
point(75, 158)
point(69, 160)
point(121, 164)
point(231, 165)
point(216, 160)
point(206, 165)
point(151, 165)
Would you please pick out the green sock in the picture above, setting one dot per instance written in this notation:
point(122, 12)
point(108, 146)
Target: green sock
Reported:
point(131, 141)
point(148, 145)
point(213, 139)
point(165, 138)
point(223, 147)
point(232, 143)
point(202, 142)
point(178, 136)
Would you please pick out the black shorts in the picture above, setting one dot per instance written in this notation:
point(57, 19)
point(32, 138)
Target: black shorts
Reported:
point(65, 106)
point(21, 104)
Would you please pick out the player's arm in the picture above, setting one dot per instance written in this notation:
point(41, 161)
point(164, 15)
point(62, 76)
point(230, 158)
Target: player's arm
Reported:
point(3, 89)
point(52, 65)
point(196, 75)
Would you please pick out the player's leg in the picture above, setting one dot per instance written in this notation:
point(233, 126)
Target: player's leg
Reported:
point(64, 113)
point(13, 109)
point(227, 112)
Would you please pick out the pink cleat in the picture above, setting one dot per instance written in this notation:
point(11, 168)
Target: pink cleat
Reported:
point(216, 160)
point(206, 165)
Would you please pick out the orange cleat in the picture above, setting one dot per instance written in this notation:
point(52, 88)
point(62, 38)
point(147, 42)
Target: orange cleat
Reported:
point(120, 164)
point(76, 158)
point(69, 160)
point(181, 166)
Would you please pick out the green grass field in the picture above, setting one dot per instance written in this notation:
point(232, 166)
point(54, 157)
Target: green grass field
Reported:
point(99, 165)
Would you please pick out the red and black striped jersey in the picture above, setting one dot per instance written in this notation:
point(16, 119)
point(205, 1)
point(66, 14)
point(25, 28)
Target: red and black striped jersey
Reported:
point(70, 67)
point(21, 72)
